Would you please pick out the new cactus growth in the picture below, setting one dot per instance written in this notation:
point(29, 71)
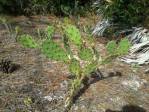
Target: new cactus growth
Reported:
point(80, 64)
point(53, 51)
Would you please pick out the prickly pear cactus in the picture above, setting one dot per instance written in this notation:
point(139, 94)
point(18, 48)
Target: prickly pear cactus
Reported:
point(73, 34)
point(50, 31)
point(90, 68)
point(123, 46)
point(111, 47)
point(74, 67)
point(86, 54)
point(118, 49)
point(53, 51)
point(28, 41)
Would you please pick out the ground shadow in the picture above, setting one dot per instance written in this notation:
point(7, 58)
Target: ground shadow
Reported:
point(129, 108)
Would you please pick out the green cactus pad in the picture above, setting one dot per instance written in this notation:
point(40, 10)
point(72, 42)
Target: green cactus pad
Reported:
point(123, 47)
point(73, 34)
point(111, 47)
point(86, 54)
point(28, 41)
point(74, 67)
point(53, 51)
point(90, 68)
point(50, 31)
